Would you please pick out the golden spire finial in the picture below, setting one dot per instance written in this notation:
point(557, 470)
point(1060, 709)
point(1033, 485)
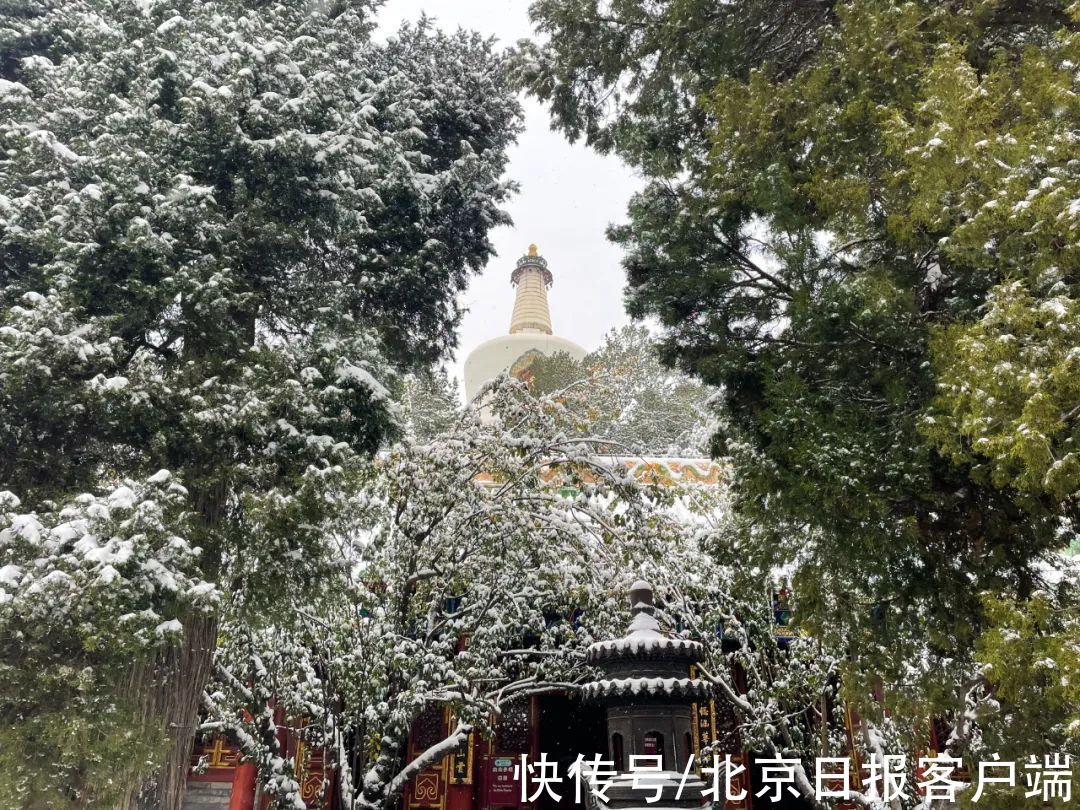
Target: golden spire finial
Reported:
point(532, 250)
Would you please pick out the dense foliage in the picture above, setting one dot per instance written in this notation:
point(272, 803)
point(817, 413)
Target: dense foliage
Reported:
point(429, 403)
point(629, 397)
point(93, 587)
point(461, 562)
point(218, 220)
point(861, 226)
point(474, 569)
point(227, 226)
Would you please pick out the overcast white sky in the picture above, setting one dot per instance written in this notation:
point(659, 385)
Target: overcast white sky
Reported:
point(568, 196)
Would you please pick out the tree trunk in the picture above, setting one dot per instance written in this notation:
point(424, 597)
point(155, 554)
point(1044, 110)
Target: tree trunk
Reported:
point(170, 689)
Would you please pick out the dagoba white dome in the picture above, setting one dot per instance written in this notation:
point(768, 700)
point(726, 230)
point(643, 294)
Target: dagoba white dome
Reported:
point(530, 330)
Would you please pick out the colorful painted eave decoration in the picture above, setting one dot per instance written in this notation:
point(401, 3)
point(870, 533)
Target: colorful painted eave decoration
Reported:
point(660, 471)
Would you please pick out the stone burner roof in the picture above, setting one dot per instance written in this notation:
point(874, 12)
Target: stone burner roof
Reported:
point(644, 639)
point(641, 687)
point(646, 662)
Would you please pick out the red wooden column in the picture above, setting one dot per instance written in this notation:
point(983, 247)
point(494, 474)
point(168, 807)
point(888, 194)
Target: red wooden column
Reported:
point(243, 787)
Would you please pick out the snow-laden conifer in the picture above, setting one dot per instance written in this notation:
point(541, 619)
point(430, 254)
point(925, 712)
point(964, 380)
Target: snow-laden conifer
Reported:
point(222, 224)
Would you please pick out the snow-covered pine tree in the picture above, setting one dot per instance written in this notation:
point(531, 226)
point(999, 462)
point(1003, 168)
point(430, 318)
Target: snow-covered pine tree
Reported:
point(630, 396)
point(429, 403)
point(218, 219)
point(84, 590)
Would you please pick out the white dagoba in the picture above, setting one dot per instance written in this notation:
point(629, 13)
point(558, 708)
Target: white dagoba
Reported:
point(530, 329)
